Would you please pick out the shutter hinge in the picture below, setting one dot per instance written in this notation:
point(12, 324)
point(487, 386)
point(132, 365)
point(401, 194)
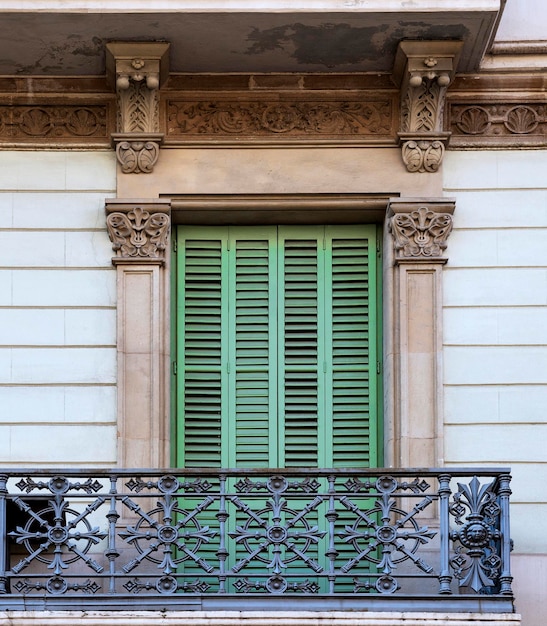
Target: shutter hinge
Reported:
point(228, 367)
point(378, 367)
point(175, 246)
point(378, 247)
point(174, 368)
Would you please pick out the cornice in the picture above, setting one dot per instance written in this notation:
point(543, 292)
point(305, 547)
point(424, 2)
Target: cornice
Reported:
point(485, 110)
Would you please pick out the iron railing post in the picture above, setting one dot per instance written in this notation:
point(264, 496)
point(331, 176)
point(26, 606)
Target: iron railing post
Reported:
point(222, 552)
point(445, 577)
point(112, 552)
point(504, 492)
point(3, 534)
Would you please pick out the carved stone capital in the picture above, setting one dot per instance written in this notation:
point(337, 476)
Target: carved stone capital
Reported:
point(138, 229)
point(137, 70)
point(423, 155)
point(137, 152)
point(424, 69)
point(420, 228)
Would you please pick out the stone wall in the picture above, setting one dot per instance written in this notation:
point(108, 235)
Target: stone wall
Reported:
point(495, 341)
point(57, 310)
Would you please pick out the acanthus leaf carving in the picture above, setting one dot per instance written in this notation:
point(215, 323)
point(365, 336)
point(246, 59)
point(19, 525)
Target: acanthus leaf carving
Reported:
point(137, 71)
point(137, 153)
point(217, 118)
point(421, 233)
point(423, 155)
point(139, 234)
point(424, 70)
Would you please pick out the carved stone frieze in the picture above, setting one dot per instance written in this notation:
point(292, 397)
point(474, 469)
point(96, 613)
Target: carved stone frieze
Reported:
point(218, 118)
point(498, 123)
point(51, 122)
point(424, 69)
point(420, 229)
point(137, 70)
point(139, 230)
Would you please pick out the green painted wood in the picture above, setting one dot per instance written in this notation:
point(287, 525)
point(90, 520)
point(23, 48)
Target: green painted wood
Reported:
point(277, 346)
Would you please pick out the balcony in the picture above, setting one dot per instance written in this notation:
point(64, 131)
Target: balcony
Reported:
point(203, 539)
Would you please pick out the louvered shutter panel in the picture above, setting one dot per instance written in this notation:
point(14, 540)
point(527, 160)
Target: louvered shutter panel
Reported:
point(300, 351)
point(352, 354)
point(253, 335)
point(201, 349)
point(278, 346)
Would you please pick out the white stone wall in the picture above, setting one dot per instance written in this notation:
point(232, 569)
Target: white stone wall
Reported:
point(57, 310)
point(495, 334)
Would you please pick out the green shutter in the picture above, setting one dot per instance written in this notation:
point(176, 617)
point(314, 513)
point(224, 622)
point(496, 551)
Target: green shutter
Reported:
point(277, 346)
point(352, 351)
point(300, 359)
point(252, 331)
point(201, 350)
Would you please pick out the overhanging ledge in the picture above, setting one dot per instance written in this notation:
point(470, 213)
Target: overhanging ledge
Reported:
point(306, 208)
point(254, 618)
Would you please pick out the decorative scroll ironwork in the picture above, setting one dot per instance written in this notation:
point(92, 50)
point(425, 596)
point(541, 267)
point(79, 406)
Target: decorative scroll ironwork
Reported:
point(202, 532)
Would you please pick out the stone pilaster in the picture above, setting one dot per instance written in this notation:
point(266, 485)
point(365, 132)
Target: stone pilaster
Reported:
point(139, 231)
point(424, 69)
point(420, 229)
point(137, 70)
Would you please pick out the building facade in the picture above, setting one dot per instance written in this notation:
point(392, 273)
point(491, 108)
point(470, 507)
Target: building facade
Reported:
point(256, 237)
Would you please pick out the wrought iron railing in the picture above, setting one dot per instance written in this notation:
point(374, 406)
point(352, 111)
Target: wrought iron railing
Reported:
point(202, 538)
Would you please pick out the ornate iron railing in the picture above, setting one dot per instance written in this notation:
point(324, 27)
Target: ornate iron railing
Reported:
point(202, 538)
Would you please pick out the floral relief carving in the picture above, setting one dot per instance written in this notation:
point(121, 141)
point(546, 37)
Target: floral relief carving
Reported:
point(138, 109)
point(288, 118)
point(137, 70)
point(423, 155)
point(490, 123)
point(424, 70)
point(521, 120)
point(137, 156)
point(473, 121)
point(138, 234)
point(422, 233)
point(422, 107)
point(48, 121)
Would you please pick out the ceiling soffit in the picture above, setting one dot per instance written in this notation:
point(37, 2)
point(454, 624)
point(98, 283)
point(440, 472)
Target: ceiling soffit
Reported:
point(73, 43)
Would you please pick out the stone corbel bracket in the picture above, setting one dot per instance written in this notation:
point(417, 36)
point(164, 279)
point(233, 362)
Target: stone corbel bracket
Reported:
point(138, 229)
point(137, 71)
point(420, 229)
point(423, 70)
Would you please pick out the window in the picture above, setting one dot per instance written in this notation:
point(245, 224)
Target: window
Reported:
point(277, 346)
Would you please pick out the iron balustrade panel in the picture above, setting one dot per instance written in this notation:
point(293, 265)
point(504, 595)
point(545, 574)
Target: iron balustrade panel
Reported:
point(315, 533)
